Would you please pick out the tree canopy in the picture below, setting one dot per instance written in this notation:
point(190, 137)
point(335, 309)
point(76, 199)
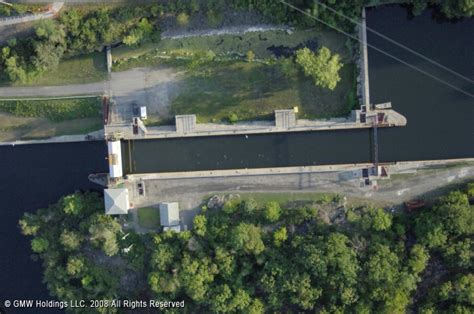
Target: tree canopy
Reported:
point(321, 66)
point(236, 259)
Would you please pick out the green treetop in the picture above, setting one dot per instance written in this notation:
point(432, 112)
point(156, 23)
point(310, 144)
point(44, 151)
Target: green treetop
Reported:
point(322, 66)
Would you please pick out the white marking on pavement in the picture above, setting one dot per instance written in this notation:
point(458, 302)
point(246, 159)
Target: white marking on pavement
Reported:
point(402, 191)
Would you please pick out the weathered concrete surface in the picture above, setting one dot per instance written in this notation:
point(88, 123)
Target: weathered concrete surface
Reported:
point(364, 67)
point(92, 136)
point(249, 172)
point(409, 180)
point(120, 125)
point(153, 88)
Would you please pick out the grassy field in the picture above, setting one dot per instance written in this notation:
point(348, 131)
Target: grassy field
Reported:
point(148, 217)
point(255, 90)
point(76, 70)
point(34, 119)
point(56, 110)
point(250, 90)
point(18, 128)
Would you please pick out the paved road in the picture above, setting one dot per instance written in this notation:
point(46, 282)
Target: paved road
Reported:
point(155, 88)
point(52, 91)
point(142, 85)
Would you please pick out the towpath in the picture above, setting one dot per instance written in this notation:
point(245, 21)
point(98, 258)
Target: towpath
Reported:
point(53, 9)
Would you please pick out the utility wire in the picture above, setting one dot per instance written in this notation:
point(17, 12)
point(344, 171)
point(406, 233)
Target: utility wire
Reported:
point(379, 50)
point(396, 43)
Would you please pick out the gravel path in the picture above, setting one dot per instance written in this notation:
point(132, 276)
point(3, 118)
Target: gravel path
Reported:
point(231, 30)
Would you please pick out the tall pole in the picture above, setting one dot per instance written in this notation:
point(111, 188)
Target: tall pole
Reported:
point(376, 146)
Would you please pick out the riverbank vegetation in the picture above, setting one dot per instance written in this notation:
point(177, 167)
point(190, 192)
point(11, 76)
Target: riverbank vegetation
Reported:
point(7, 10)
point(75, 32)
point(245, 256)
point(41, 118)
point(275, 11)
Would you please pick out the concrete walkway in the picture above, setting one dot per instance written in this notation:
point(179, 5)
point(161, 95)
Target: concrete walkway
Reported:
point(415, 180)
point(54, 8)
point(92, 136)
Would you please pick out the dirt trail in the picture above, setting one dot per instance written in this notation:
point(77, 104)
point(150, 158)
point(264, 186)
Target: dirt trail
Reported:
point(231, 30)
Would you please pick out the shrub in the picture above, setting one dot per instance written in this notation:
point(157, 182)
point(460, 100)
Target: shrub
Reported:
point(182, 19)
point(250, 56)
point(249, 206)
point(272, 211)
point(233, 118)
point(280, 236)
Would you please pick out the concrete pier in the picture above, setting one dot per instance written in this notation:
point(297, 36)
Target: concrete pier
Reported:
point(359, 119)
point(364, 59)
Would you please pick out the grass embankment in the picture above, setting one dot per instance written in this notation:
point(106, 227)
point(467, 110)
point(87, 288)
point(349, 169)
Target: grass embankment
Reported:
point(30, 119)
point(148, 217)
point(83, 69)
point(254, 91)
point(289, 197)
point(250, 90)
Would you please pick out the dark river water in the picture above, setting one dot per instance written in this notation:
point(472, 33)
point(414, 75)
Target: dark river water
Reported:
point(440, 125)
point(34, 176)
point(440, 119)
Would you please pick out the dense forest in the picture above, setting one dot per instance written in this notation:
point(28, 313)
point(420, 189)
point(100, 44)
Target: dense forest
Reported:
point(78, 31)
point(244, 257)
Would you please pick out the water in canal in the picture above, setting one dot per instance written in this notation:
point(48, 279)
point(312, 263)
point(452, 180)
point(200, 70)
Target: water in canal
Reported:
point(440, 119)
point(440, 125)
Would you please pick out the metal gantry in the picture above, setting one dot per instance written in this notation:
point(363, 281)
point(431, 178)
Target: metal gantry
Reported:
point(376, 146)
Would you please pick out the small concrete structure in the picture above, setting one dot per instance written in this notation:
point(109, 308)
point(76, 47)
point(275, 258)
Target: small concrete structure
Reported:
point(185, 123)
point(285, 118)
point(115, 159)
point(116, 201)
point(108, 51)
point(173, 228)
point(143, 114)
point(169, 215)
